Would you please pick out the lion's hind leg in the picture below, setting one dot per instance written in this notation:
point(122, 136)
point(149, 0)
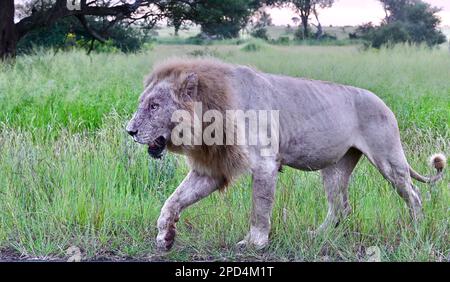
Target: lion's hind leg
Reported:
point(335, 180)
point(395, 169)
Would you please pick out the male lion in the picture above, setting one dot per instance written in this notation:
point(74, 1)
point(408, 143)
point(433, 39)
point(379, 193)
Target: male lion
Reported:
point(323, 126)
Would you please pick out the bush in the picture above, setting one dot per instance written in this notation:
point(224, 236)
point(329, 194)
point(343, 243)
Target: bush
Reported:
point(253, 47)
point(259, 29)
point(389, 34)
point(99, 47)
point(327, 36)
point(299, 34)
point(54, 36)
point(199, 39)
point(416, 23)
point(282, 40)
point(223, 19)
point(260, 33)
point(206, 52)
point(68, 33)
point(289, 29)
point(398, 32)
point(127, 39)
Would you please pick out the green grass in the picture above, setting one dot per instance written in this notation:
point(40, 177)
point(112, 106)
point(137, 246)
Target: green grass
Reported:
point(69, 175)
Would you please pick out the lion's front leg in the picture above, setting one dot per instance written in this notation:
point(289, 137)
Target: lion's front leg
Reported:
point(193, 188)
point(264, 182)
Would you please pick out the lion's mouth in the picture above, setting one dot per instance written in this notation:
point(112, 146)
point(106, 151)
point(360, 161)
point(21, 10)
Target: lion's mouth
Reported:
point(156, 148)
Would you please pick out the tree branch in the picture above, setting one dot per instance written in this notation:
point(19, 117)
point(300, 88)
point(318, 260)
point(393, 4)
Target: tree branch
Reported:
point(59, 10)
point(92, 32)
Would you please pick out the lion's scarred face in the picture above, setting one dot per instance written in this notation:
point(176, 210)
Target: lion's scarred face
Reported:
point(151, 123)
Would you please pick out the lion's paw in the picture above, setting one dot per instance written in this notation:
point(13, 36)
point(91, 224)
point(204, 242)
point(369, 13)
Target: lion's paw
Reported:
point(165, 240)
point(249, 243)
point(241, 245)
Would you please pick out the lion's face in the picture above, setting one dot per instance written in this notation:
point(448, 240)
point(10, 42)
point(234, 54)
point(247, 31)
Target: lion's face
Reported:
point(151, 124)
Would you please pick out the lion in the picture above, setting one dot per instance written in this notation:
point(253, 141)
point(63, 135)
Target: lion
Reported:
point(322, 126)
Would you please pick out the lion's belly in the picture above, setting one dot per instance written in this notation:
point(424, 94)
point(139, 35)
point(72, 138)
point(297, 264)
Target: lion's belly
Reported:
point(311, 162)
point(314, 148)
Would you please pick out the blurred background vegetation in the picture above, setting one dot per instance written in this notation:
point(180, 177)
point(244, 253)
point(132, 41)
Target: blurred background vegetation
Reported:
point(113, 26)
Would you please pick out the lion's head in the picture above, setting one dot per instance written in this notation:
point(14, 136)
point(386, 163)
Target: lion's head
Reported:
point(173, 85)
point(178, 84)
point(151, 123)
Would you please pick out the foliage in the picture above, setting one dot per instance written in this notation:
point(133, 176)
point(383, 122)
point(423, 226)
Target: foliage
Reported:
point(260, 32)
point(283, 40)
point(305, 8)
point(259, 29)
point(253, 46)
point(205, 52)
point(301, 33)
point(177, 14)
point(126, 38)
point(119, 37)
point(36, 15)
point(411, 21)
point(223, 19)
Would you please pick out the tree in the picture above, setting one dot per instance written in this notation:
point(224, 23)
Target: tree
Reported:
point(395, 9)
point(320, 4)
point(263, 20)
point(8, 31)
point(305, 8)
point(217, 18)
point(223, 19)
point(68, 32)
point(42, 13)
point(412, 21)
point(178, 13)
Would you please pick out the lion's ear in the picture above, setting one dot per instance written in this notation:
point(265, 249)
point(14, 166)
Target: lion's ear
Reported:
point(189, 86)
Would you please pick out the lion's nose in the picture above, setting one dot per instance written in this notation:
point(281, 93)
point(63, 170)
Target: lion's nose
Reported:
point(132, 132)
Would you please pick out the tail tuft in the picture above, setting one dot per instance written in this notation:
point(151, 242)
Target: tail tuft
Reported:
point(438, 161)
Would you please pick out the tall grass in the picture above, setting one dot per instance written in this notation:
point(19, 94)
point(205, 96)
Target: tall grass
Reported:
point(70, 176)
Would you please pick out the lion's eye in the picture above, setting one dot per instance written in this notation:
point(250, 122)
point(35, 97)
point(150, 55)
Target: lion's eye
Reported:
point(154, 106)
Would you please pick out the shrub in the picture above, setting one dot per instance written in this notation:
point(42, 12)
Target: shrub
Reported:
point(68, 33)
point(223, 19)
point(260, 27)
point(199, 39)
point(253, 47)
point(282, 40)
point(99, 47)
point(260, 33)
point(414, 22)
point(299, 34)
point(206, 52)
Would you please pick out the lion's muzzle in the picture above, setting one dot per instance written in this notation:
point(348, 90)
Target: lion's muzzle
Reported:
point(156, 149)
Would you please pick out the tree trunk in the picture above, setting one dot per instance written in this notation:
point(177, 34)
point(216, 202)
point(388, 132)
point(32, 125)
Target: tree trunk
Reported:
point(319, 32)
point(305, 26)
point(8, 32)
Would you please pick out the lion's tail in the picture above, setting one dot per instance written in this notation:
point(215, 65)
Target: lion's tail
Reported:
point(438, 161)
